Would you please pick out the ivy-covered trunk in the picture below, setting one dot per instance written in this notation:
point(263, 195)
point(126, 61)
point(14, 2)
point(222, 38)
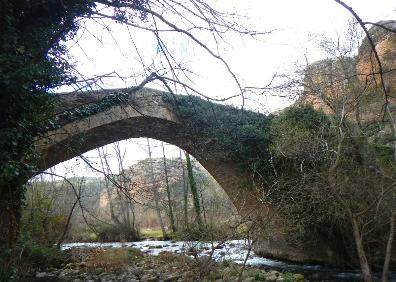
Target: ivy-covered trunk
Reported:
point(10, 213)
point(194, 190)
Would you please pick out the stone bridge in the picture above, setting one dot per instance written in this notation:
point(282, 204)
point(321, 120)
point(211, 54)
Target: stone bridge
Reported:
point(89, 120)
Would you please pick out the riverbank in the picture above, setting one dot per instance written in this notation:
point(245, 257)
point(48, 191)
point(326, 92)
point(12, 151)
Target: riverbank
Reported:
point(235, 251)
point(130, 264)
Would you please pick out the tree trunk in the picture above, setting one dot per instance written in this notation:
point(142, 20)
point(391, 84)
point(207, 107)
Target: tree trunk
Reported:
point(10, 214)
point(388, 253)
point(131, 207)
point(123, 209)
point(172, 219)
point(154, 190)
point(111, 204)
point(185, 191)
point(194, 190)
point(202, 204)
point(105, 170)
point(364, 265)
point(66, 227)
point(128, 216)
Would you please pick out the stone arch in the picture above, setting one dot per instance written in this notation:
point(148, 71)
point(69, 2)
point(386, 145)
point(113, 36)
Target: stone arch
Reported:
point(143, 113)
point(149, 113)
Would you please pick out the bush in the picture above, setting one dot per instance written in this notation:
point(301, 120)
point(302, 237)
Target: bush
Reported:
point(35, 256)
point(42, 220)
point(111, 259)
point(117, 233)
point(288, 277)
point(259, 276)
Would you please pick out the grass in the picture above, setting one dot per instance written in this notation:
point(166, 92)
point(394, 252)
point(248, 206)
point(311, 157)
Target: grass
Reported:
point(148, 233)
point(114, 260)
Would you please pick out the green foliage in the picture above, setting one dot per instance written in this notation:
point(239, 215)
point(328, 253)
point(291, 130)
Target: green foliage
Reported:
point(35, 256)
point(234, 272)
point(304, 116)
point(304, 147)
point(300, 158)
point(155, 234)
point(117, 233)
point(6, 273)
point(299, 133)
point(226, 263)
point(45, 214)
point(259, 276)
point(288, 277)
point(85, 236)
point(242, 230)
point(193, 188)
point(134, 254)
point(383, 154)
point(242, 136)
point(111, 99)
point(31, 63)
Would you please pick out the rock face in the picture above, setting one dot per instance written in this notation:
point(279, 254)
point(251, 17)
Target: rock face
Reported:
point(325, 83)
point(335, 83)
point(385, 46)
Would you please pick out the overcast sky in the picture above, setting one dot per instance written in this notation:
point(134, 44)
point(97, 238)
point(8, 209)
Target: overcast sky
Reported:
point(295, 27)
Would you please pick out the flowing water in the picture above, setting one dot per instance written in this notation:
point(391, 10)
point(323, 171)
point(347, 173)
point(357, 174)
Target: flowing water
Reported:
point(233, 250)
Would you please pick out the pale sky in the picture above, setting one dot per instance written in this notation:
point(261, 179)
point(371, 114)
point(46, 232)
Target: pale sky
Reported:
point(295, 25)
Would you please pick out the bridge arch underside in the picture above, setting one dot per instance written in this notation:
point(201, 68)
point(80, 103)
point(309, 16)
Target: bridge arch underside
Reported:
point(224, 171)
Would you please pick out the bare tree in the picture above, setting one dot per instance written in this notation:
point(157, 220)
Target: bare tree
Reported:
point(154, 190)
point(388, 252)
point(172, 219)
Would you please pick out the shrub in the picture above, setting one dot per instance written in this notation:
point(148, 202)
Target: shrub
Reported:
point(117, 233)
point(288, 277)
point(34, 256)
point(111, 259)
point(259, 276)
